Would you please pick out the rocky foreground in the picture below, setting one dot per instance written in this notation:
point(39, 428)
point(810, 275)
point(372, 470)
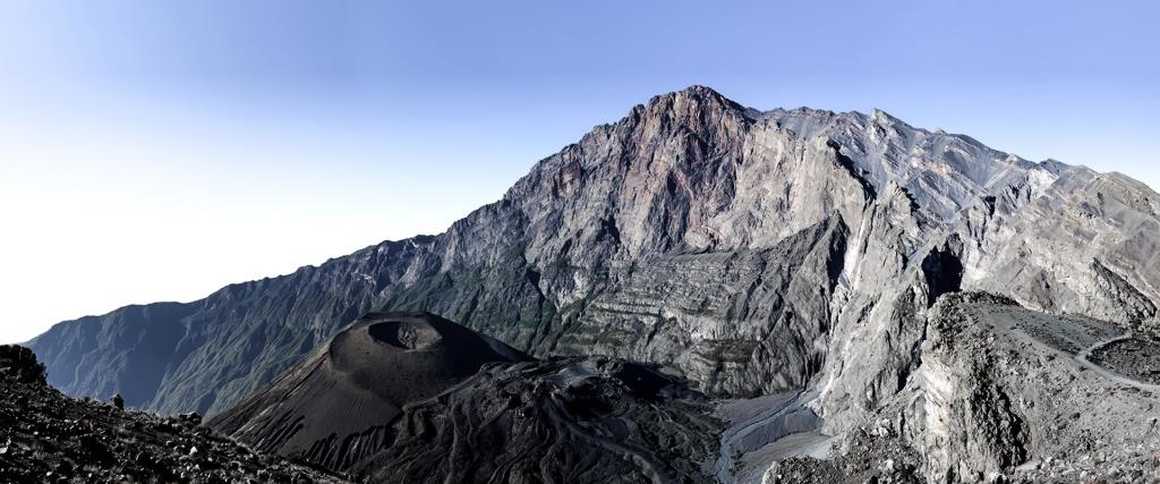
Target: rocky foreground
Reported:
point(48, 437)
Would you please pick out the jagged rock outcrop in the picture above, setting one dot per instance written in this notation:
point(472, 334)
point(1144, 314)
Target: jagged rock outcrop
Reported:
point(1009, 394)
point(1005, 390)
point(416, 398)
point(48, 437)
point(750, 251)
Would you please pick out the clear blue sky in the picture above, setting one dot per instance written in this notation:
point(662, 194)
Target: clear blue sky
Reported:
point(158, 150)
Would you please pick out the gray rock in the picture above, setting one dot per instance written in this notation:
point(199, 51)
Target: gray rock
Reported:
point(1006, 394)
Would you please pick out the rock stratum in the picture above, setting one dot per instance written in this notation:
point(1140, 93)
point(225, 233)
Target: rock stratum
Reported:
point(788, 261)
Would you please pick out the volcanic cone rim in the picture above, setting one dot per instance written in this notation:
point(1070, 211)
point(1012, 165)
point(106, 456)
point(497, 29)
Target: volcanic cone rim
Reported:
point(404, 335)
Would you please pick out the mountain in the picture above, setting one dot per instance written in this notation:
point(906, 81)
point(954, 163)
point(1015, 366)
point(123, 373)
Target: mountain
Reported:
point(752, 252)
point(47, 437)
point(393, 395)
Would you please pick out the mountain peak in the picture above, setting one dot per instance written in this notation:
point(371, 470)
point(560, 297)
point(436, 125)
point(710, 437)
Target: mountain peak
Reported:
point(698, 95)
point(701, 90)
point(882, 116)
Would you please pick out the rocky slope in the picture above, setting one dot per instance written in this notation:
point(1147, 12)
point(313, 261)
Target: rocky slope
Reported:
point(751, 252)
point(416, 398)
point(1008, 394)
point(1006, 390)
point(559, 420)
point(47, 437)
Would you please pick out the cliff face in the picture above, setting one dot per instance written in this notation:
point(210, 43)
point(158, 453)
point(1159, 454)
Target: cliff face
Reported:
point(750, 251)
point(1030, 396)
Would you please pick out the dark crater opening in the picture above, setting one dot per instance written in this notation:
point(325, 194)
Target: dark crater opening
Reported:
point(405, 335)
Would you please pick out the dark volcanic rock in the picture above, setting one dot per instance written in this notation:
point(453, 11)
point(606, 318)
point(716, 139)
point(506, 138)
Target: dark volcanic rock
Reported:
point(335, 408)
point(47, 437)
point(415, 398)
point(18, 365)
point(563, 420)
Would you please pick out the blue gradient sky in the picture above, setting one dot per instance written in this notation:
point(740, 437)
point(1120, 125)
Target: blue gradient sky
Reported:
point(158, 150)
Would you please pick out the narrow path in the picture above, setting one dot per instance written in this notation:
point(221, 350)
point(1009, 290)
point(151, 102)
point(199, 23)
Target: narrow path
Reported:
point(1082, 358)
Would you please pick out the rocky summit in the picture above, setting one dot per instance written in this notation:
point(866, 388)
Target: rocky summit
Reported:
point(857, 296)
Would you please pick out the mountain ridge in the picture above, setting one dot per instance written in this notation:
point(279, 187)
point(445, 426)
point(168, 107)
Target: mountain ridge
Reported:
point(692, 88)
point(602, 242)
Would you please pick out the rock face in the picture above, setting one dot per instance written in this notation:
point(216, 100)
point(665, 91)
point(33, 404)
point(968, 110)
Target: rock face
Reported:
point(415, 398)
point(752, 252)
point(1007, 393)
point(47, 437)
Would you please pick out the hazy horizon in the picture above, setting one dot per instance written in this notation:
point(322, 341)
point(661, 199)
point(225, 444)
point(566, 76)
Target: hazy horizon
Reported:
point(157, 153)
